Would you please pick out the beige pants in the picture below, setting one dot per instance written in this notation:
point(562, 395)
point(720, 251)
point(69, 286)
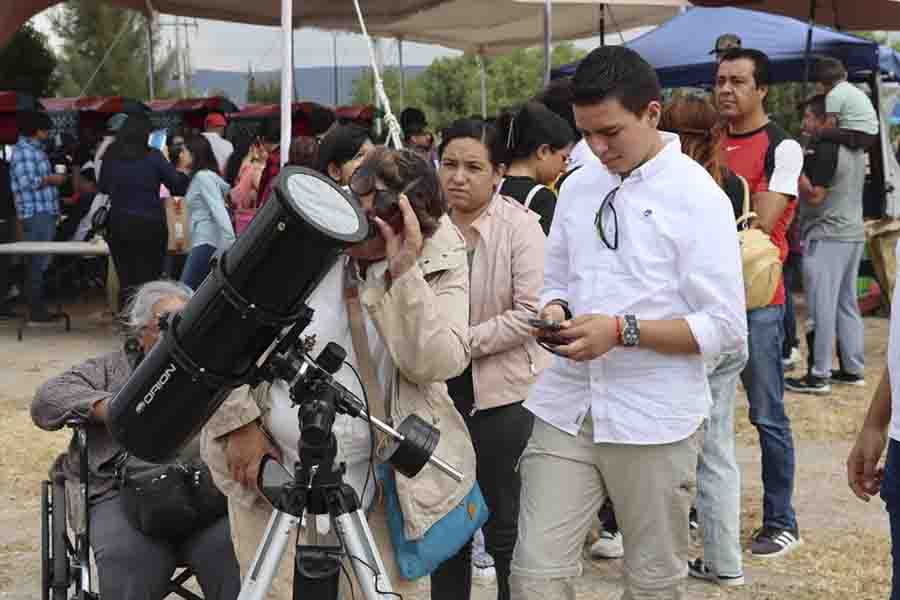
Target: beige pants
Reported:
point(249, 524)
point(566, 479)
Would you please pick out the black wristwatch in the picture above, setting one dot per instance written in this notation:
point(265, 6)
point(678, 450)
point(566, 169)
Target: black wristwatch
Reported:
point(563, 305)
point(631, 331)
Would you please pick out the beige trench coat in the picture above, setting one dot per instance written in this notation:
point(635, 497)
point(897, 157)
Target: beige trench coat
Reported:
point(423, 319)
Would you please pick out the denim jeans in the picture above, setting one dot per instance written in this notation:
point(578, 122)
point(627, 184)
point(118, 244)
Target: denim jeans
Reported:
point(197, 266)
point(718, 475)
point(763, 379)
point(40, 227)
point(792, 274)
point(890, 493)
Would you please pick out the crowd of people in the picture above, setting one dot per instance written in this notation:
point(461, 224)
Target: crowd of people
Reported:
point(564, 296)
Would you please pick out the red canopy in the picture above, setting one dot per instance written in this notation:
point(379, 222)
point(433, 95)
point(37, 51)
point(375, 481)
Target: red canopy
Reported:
point(214, 104)
point(307, 118)
point(852, 15)
point(12, 101)
point(101, 104)
point(363, 113)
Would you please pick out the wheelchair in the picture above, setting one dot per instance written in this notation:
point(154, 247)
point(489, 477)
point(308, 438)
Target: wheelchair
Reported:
point(65, 539)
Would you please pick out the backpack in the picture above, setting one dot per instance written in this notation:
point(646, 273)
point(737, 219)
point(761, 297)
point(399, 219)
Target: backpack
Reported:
point(760, 258)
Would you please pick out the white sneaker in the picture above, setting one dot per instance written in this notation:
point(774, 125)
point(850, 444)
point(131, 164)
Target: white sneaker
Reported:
point(483, 575)
point(609, 545)
point(793, 360)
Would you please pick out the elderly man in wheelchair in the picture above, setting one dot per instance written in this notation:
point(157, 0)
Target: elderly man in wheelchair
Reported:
point(135, 556)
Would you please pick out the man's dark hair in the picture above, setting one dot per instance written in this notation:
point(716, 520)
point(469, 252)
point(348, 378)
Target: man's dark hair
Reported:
point(616, 72)
point(816, 105)
point(829, 70)
point(413, 121)
point(557, 96)
point(760, 60)
point(407, 172)
point(29, 122)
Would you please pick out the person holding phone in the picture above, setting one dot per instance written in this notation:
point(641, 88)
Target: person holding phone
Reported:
point(131, 176)
point(505, 245)
point(643, 272)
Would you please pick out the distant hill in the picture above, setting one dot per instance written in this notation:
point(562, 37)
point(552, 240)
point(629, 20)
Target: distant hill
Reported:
point(313, 83)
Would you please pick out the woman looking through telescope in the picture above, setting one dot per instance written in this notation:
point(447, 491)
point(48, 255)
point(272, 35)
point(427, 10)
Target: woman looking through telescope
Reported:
point(409, 284)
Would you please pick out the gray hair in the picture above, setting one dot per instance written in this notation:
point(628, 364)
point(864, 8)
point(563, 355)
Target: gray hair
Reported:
point(140, 309)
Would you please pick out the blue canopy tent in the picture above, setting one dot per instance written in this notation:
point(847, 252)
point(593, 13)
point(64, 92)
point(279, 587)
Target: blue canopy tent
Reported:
point(680, 48)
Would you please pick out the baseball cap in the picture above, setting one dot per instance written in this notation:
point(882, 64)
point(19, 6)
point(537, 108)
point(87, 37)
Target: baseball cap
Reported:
point(726, 41)
point(214, 120)
point(116, 121)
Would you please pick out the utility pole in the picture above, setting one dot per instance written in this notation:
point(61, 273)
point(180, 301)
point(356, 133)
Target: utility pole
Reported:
point(334, 56)
point(179, 60)
point(183, 68)
point(151, 68)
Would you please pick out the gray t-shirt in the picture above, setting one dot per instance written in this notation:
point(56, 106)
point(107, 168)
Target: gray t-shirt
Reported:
point(853, 108)
point(840, 216)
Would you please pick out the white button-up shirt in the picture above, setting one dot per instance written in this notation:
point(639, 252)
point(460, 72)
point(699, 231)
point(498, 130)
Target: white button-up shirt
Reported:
point(677, 257)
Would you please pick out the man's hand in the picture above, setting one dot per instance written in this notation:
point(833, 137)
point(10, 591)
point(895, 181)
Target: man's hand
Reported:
point(244, 450)
point(863, 474)
point(403, 248)
point(587, 337)
point(100, 410)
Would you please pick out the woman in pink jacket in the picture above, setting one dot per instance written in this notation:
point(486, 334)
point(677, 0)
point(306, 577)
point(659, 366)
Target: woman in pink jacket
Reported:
point(505, 245)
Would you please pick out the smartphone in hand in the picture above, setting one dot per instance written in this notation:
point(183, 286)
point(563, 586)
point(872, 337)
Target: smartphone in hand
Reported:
point(545, 325)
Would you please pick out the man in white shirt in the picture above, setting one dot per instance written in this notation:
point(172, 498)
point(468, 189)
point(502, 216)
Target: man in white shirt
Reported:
point(214, 126)
point(643, 271)
point(882, 427)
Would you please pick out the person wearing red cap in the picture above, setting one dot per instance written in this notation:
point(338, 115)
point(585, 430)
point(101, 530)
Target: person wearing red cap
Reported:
point(214, 126)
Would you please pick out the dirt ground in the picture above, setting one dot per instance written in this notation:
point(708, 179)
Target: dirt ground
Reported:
point(847, 546)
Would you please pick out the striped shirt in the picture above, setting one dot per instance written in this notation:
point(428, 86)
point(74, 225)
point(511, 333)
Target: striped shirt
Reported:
point(28, 167)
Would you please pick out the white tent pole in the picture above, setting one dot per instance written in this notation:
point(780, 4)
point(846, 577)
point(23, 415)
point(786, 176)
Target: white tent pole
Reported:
point(402, 73)
point(287, 75)
point(483, 74)
point(548, 35)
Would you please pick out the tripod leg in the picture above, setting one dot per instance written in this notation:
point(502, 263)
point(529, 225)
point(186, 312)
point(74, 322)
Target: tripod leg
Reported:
point(359, 546)
point(268, 556)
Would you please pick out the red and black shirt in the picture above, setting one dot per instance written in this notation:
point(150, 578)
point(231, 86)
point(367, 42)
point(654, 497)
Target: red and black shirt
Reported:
point(770, 161)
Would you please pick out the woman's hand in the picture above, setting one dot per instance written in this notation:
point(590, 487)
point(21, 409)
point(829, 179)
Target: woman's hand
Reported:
point(402, 249)
point(244, 451)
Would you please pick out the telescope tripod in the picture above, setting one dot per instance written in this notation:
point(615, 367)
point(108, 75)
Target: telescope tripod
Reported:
point(317, 488)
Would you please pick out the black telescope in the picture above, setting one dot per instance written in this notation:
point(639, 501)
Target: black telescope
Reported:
point(256, 289)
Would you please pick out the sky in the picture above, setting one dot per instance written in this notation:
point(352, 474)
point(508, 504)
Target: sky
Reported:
point(261, 46)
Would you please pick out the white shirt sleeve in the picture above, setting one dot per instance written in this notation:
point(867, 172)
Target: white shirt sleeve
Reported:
point(788, 166)
point(712, 281)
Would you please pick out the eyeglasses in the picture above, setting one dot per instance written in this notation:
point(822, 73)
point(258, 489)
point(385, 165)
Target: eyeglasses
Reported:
point(607, 221)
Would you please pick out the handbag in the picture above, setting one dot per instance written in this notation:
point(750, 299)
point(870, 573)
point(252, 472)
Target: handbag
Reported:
point(760, 258)
point(420, 557)
point(169, 501)
point(99, 215)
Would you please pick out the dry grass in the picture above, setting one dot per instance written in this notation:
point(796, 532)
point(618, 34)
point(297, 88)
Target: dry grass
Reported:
point(847, 550)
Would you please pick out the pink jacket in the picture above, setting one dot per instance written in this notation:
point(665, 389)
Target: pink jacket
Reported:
point(507, 276)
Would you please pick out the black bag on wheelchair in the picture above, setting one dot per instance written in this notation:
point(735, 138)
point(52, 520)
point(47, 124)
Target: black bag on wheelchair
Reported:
point(169, 501)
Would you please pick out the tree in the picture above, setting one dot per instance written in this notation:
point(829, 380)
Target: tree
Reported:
point(91, 28)
point(28, 64)
point(265, 93)
point(450, 88)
